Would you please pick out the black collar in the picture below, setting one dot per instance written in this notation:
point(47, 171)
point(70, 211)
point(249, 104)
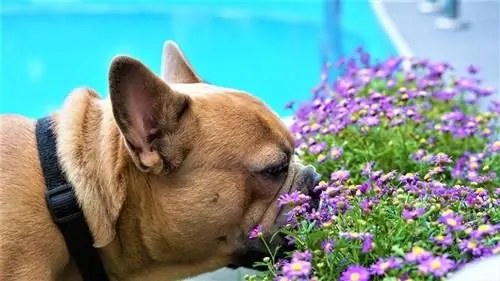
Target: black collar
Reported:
point(64, 208)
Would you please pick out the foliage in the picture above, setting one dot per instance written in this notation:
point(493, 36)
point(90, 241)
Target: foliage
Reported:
point(410, 168)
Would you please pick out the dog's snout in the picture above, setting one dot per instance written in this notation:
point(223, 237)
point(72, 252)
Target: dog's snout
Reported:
point(316, 177)
point(306, 179)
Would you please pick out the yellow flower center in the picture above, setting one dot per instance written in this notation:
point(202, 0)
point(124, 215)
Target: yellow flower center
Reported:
point(296, 267)
point(484, 227)
point(451, 221)
point(471, 245)
point(447, 212)
point(440, 237)
point(435, 264)
point(355, 276)
point(496, 144)
point(418, 250)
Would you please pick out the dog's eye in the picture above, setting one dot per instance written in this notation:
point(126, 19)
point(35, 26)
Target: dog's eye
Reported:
point(275, 172)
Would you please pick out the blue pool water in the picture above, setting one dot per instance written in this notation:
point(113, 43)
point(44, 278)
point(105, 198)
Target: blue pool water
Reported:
point(273, 49)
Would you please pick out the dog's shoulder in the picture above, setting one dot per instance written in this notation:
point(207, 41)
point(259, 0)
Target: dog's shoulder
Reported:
point(18, 154)
point(29, 242)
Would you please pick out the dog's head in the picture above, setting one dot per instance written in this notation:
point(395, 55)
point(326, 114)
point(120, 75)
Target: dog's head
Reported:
point(212, 162)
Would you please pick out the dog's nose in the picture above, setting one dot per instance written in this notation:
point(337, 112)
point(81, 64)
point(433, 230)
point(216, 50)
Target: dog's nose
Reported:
point(316, 177)
point(307, 178)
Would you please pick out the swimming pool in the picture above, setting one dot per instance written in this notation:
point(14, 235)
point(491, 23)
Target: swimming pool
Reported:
point(273, 49)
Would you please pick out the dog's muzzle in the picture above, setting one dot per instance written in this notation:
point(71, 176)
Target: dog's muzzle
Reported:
point(305, 179)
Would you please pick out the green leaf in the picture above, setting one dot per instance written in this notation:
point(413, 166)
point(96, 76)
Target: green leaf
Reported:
point(397, 250)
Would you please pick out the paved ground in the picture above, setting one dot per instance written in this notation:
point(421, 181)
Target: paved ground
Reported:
point(224, 274)
point(478, 43)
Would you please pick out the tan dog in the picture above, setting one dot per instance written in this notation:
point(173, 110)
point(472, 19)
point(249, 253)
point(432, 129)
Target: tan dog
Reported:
point(171, 175)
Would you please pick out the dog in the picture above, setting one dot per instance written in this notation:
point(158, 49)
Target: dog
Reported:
point(171, 174)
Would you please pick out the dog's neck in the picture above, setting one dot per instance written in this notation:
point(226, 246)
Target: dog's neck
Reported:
point(95, 159)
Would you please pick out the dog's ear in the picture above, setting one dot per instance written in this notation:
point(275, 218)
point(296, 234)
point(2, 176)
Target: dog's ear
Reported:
point(145, 109)
point(175, 67)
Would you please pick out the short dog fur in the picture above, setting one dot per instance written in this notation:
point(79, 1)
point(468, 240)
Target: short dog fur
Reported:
point(171, 174)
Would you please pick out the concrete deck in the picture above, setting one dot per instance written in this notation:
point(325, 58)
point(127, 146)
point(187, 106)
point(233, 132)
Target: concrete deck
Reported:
point(478, 43)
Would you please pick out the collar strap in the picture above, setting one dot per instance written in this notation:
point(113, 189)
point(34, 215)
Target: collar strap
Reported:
point(64, 208)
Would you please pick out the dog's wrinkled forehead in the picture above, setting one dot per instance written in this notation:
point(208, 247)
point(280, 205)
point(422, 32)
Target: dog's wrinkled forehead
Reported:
point(236, 110)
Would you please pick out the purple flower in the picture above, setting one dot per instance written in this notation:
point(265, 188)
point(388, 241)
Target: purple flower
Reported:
point(419, 154)
point(452, 221)
point(367, 204)
point(470, 246)
point(417, 254)
point(293, 199)
point(443, 240)
point(437, 266)
point(441, 159)
point(445, 94)
point(256, 232)
point(317, 148)
point(321, 158)
point(340, 175)
point(303, 256)
point(297, 268)
point(384, 265)
point(495, 147)
point(367, 243)
point(472, 69)
point(355, 273)
point(408, 178)
point(413, 214)
point(336, 152)
point(386, 178)
point(327, 245)
point(370, 121)
point(368, 168)
point(483, 230)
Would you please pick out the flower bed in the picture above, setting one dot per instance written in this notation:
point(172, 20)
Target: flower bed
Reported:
point(410, 169)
